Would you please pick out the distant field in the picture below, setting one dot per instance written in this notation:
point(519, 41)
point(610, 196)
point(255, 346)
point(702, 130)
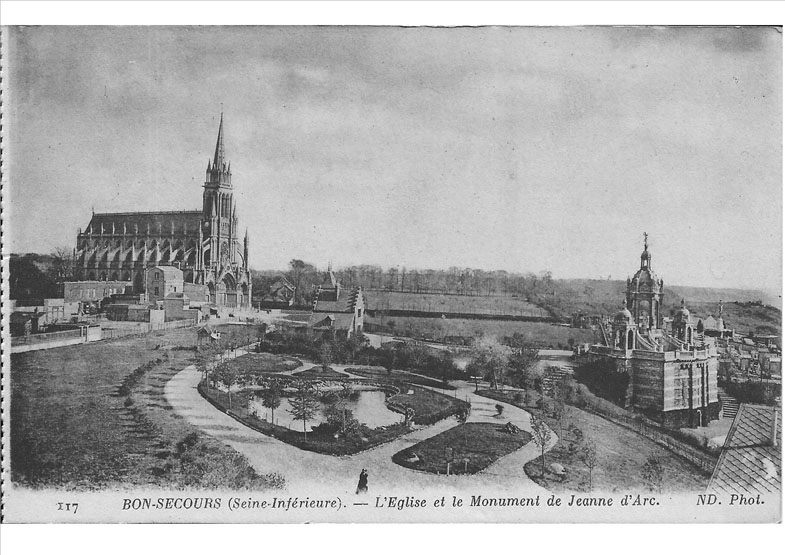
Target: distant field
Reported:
point(540, 334)
point(439, 303)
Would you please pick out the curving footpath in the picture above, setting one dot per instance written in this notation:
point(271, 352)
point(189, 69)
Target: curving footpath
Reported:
point(267, 454)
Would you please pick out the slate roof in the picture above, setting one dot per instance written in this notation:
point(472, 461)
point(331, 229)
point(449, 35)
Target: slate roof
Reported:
point(345, 303)
point(341, 305)
point(340, 320)
point(750, 463)
point(138, 222)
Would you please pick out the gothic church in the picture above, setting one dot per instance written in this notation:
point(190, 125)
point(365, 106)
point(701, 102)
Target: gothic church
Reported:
point(205, 244)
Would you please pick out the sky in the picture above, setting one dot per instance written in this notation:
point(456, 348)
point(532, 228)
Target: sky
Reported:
point(514, 148)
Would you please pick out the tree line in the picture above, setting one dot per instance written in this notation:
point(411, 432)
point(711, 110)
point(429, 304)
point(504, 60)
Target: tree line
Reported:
point(452, 281)
point(36, 276)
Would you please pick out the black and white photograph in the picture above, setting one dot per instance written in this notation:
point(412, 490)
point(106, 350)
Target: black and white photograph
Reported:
point(374, 274)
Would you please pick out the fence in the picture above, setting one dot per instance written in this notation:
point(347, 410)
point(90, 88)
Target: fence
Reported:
point(144, 329)
point(40, 338)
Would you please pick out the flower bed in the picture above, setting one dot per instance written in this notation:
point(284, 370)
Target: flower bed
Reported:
point(469, 448)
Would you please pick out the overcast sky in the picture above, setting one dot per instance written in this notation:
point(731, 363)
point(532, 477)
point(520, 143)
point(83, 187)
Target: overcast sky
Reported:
point(523, 149)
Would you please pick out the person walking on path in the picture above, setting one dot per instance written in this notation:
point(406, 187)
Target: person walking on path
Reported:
point(362, 484)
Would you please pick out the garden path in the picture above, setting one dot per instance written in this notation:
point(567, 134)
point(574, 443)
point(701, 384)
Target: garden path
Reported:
point(267, 454)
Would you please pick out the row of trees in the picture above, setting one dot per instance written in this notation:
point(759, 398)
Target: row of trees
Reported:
point(454, 280)
point(327, 349)
point(459, 281)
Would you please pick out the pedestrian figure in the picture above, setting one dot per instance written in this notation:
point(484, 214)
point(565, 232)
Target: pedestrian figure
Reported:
point(362, 485)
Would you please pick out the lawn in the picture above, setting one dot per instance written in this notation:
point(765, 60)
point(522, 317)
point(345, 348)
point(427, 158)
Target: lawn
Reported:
point(71, 426)
point(538, 334)
point(469, 448)
point(428, 406)
point(621, 454)
point(320, 373)
point(440, 303)
point(263, 363)
point(381, 373)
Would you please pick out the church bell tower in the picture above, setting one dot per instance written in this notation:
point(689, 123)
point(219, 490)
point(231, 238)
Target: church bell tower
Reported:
point(218, 208)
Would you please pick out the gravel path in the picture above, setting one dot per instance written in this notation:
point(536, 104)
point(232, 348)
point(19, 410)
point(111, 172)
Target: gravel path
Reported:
point(307, 469)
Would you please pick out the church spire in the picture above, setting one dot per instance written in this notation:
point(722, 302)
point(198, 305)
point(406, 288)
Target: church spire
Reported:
point(220, 155)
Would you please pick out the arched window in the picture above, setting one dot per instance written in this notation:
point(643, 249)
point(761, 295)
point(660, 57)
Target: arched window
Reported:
point(630, 339)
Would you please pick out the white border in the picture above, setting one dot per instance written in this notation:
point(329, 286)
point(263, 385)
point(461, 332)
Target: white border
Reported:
point(383, 539)
point(15, 12)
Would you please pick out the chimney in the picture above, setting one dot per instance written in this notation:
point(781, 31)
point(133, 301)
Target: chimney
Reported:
point(774, 422)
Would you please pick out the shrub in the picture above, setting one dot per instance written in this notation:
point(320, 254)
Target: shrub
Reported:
point(274, 480)
point(603, 380)
point(330, 397)
point(517, 397)
point(499, 409)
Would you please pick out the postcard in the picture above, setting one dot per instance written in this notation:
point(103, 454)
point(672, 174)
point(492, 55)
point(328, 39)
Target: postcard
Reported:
point(347, 274)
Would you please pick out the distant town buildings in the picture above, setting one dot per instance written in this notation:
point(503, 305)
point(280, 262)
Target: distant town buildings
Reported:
point(672, 372)
point(280, 294)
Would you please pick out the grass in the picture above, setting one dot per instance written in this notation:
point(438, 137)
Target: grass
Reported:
point(440, 303)
point(71, 427)
point(381, 373)
point(470, 447)
point(424, 403)
point(536, 333)
point(263, 363)
point(320, 373)
point(621, 455)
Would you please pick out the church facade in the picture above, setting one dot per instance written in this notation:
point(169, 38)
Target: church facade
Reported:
point(672, 368)
point(205, 244)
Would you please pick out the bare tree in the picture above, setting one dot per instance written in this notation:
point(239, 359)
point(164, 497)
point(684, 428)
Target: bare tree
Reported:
point(63, 263)
point(541, 435)
point(589, 457)
point(653, 473)
point(463, 416)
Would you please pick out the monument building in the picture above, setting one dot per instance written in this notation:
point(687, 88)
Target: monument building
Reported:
point(672, 372)
point(205, 244)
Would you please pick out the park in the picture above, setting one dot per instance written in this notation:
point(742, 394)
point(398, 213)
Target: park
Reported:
point(263, 409)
